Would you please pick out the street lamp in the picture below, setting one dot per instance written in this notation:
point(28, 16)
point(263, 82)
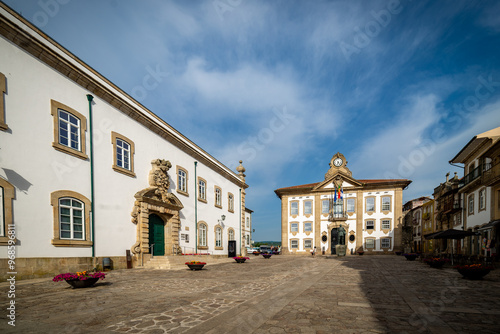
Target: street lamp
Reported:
point(221, 220)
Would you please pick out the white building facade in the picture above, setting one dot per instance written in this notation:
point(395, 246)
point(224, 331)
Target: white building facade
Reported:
point(88, 172)
point(364, 215)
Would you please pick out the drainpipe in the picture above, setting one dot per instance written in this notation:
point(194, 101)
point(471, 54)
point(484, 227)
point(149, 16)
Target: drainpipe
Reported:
point(90, 98)
point(195, 210)
point(241, 231)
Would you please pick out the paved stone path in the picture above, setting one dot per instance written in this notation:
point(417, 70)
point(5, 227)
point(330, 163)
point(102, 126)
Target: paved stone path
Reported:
point(285, 294)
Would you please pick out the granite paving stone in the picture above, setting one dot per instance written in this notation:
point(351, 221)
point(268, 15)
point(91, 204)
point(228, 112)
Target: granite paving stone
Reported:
point(285, 294)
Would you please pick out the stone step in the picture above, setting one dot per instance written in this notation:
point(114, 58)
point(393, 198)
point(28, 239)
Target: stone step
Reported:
point(158, 262)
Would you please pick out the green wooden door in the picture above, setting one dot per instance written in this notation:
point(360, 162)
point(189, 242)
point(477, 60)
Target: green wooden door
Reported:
point(157, 235)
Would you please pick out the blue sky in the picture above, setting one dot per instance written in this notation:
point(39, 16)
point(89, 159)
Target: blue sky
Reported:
point(399, 87)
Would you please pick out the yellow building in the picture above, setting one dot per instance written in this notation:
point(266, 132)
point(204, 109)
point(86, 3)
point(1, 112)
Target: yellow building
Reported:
point(362, 215)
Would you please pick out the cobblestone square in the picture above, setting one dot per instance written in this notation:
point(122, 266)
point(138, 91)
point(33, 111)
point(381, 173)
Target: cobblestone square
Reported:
point(285, 294)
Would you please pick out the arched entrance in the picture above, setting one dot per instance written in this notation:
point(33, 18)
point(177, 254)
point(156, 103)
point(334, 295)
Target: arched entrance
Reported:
point(156, 235)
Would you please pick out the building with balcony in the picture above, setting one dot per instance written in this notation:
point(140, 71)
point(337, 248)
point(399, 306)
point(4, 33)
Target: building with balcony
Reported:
point(480, 191)
point(412, 224)
point(428, 225)
point(341, 210)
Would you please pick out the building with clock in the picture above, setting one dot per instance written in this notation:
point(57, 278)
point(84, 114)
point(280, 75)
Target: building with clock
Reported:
point(362, 214)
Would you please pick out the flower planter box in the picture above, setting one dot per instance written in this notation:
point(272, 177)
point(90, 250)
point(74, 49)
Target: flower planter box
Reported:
point(196, 266)
point(410, 257)
point(76, 284)
point(474, 274)
point(266, 256)
point(241, 259)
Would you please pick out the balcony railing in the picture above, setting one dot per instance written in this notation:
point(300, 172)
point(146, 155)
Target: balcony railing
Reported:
point(476, 172)
point(452, 205)
point(491, 174)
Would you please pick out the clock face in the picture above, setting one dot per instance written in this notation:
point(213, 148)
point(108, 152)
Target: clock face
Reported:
point(337, 162)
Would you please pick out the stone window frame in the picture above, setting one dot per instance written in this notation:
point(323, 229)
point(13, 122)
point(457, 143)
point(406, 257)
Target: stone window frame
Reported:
point(218, 197)
point(130, 172)
point(470, 204)
point(202, 242)
point(204, 197)
point(382, 243)
point(304, 243)
point(9, 193)
point(218, 232)
point(54, 201)
point(247, 240)
point(304, 227)
point(386, 230)
point(323, 207)
point(54, 110)
point(292, 242)
point(179, 188)
point(230, 202)
point(311, 207)
point(247, 222)
point(481, 191)
point(291, 204)
point(366, 225)
point(374, 204)
point(347, 205)
point(291, 227)
point(3, 91)
point(382, 204)
point(229, 230)
point(374, 243)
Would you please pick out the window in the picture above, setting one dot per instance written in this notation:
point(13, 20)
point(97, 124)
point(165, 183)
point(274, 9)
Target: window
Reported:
point(370, 243)
point(7, 192)
point(294, 208)
point(386, 203)
point(218, 197)
point(294, 244)
point(325, 206)
point(294, 227)
point(308, 227)
point(370, 204)
point(202, 190)
point(248, 222)
point(69, 130)
point(3, 90)
point(202, 235)
point(307, 243)
point(71, 219)
point(182, 181)
point(185, 237)
point(218, 237)
point(123, 159)
point(370, 225)
point(385, 243)
point(471, 204)
point(386, 224)
point(230, 202)
point(247, 239)
point(482, 200)
point(308, 207)
point(351, 204)
point(230, 234)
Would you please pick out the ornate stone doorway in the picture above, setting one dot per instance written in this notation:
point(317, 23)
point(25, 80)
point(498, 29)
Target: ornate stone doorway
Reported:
point(155, 204)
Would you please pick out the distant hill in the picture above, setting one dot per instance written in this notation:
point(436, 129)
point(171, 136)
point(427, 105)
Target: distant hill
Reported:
point(269, 243)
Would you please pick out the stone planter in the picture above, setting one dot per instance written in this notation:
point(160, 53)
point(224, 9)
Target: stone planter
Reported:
point(240, 260)
point(195, 266)
point(474, 274)
point(411, 257)
point(76, 284)
point(266, 256)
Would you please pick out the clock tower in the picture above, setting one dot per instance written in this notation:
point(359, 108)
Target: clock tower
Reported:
point(338, 163)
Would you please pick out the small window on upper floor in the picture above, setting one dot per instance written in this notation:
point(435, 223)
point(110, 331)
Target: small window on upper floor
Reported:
point(308, 207)
point(182, 181)
point(370, 225)
point(325, 206)
point(69, 130)
point(218, 197)
point(123, 157)
point(202, 190)
point(386, 203)
point(370, 204)
point(294, 208)
point(351, 202)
